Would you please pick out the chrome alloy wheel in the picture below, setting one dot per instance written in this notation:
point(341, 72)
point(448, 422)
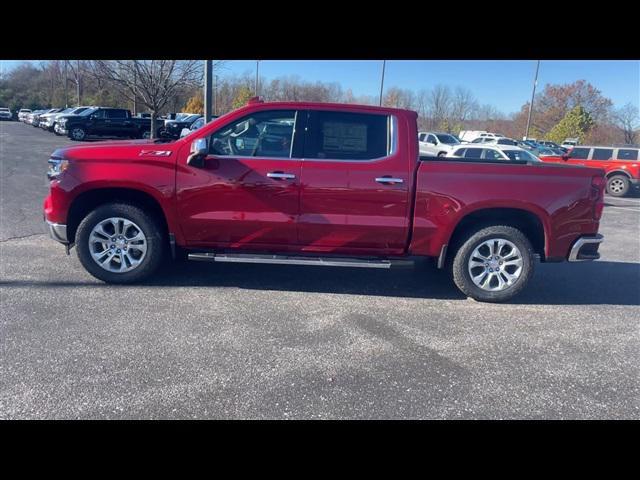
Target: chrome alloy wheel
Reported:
point(616, 186)
point(118, 245)
point(495, 264)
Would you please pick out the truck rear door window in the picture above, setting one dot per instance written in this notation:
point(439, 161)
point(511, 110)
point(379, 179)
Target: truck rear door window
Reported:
point(627, 154)
point(347, 136)
point(116, 114)
point(602, 154)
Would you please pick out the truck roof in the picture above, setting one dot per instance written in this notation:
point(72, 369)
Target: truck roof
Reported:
point(337, 106)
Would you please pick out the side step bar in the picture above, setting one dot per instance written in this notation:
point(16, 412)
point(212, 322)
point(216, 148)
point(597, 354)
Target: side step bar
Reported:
point(294, 260)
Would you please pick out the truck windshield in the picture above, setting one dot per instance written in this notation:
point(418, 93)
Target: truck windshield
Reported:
point(88, 111)
point(448, 139)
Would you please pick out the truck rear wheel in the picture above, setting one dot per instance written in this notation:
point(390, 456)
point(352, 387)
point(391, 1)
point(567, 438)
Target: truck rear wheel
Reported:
point(618, 185)
point(120, 243)
point(493, 264)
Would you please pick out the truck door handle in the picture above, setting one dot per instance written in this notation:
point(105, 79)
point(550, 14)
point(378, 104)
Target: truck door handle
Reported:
point(389, 180)
point(281, 175)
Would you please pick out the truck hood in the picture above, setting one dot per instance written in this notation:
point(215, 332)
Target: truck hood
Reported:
point(118, 150)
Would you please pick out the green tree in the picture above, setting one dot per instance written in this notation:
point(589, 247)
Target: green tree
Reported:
point(576, 124)
point(242, 97)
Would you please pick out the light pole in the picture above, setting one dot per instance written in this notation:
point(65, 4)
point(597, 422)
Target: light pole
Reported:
point(257, 70)
point(215, 94)
point(533, 94)
point(208, 71)
point(384, 63)
point(66, 79)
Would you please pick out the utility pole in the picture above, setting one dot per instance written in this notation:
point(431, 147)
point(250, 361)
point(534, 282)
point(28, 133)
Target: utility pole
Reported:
point(384, 62)
point(135, 89)
point(208, 71)
point(257, 70)
point(533, 94)
point(66, 79)
point(215, 94)
point(78, 80)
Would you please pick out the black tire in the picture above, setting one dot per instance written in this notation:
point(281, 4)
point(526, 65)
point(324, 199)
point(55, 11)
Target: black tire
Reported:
point(442, 154)
point(77, 137)
point(156, 242)
point(618, 185)
point(460, 270)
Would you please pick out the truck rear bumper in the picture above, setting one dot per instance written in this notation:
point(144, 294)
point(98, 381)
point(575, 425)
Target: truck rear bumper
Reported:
point(585, 248)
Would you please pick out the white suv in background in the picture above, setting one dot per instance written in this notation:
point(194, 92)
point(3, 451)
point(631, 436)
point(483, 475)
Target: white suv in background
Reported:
point(437, 144)
point(22, 114)
point(494, 152)
point(5, 114)
point(496, 141)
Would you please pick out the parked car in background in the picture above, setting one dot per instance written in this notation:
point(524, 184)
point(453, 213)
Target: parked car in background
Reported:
point(47, 119)
point(22, 114)
point(55, 119)
point(5, 114)
point(496, 141)
point(471, 135)
point(495, 152)
point(195, 126)
point(570, 142)
point(36, 118)
point(548, 143)
point(110, 122)
point(173, 128)
point(238, 190)
point(621, 165)
point(437, 144)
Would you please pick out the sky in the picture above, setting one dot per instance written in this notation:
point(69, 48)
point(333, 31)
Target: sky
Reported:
point(505, 84)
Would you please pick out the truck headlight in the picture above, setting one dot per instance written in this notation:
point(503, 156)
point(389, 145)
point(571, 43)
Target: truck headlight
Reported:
point(56, 167)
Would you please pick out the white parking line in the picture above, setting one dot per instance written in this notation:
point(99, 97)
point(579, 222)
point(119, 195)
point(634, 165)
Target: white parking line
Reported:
point(626, 209)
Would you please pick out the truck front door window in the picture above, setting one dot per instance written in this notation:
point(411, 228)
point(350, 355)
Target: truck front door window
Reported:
point(263, 134)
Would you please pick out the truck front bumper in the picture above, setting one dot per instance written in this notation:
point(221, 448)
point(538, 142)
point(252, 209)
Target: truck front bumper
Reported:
point(585, 248)
point(58, 232)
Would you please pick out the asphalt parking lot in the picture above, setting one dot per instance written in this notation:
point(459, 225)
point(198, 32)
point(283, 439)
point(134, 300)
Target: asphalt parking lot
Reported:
point(277, 342)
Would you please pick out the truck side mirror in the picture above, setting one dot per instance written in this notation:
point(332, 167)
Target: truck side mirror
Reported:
point(199, 150)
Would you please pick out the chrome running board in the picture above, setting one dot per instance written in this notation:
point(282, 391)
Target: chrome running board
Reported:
point(297, 260)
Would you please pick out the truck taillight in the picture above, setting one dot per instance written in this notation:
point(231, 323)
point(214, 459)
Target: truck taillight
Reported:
point(597, 188)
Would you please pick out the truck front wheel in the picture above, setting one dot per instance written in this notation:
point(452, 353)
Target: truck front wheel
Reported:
point(493, 264)
point(120, 243)
point(78, 133)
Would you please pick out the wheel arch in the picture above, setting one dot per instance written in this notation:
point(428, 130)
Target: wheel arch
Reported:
point(526, 221)
point(617, 172)
point(89, 200)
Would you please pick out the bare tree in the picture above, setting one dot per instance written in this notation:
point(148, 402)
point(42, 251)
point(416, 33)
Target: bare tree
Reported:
point(439, 104)
point(463, 104)
point(152, 82)
point(626, 118)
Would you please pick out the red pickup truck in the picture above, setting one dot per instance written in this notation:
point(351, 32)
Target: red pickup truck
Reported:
point(318, 184)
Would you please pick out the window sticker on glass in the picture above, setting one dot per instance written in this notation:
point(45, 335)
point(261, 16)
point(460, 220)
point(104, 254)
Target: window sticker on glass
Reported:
point(344, 137)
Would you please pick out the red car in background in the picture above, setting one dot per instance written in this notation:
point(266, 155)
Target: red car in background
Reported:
point(620, 164)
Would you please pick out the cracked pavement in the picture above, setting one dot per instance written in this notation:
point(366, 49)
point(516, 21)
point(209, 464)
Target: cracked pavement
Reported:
point(289, 342)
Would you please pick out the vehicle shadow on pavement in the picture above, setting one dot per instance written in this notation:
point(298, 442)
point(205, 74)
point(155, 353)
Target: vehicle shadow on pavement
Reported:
point(588, 283)
point(424, 281)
